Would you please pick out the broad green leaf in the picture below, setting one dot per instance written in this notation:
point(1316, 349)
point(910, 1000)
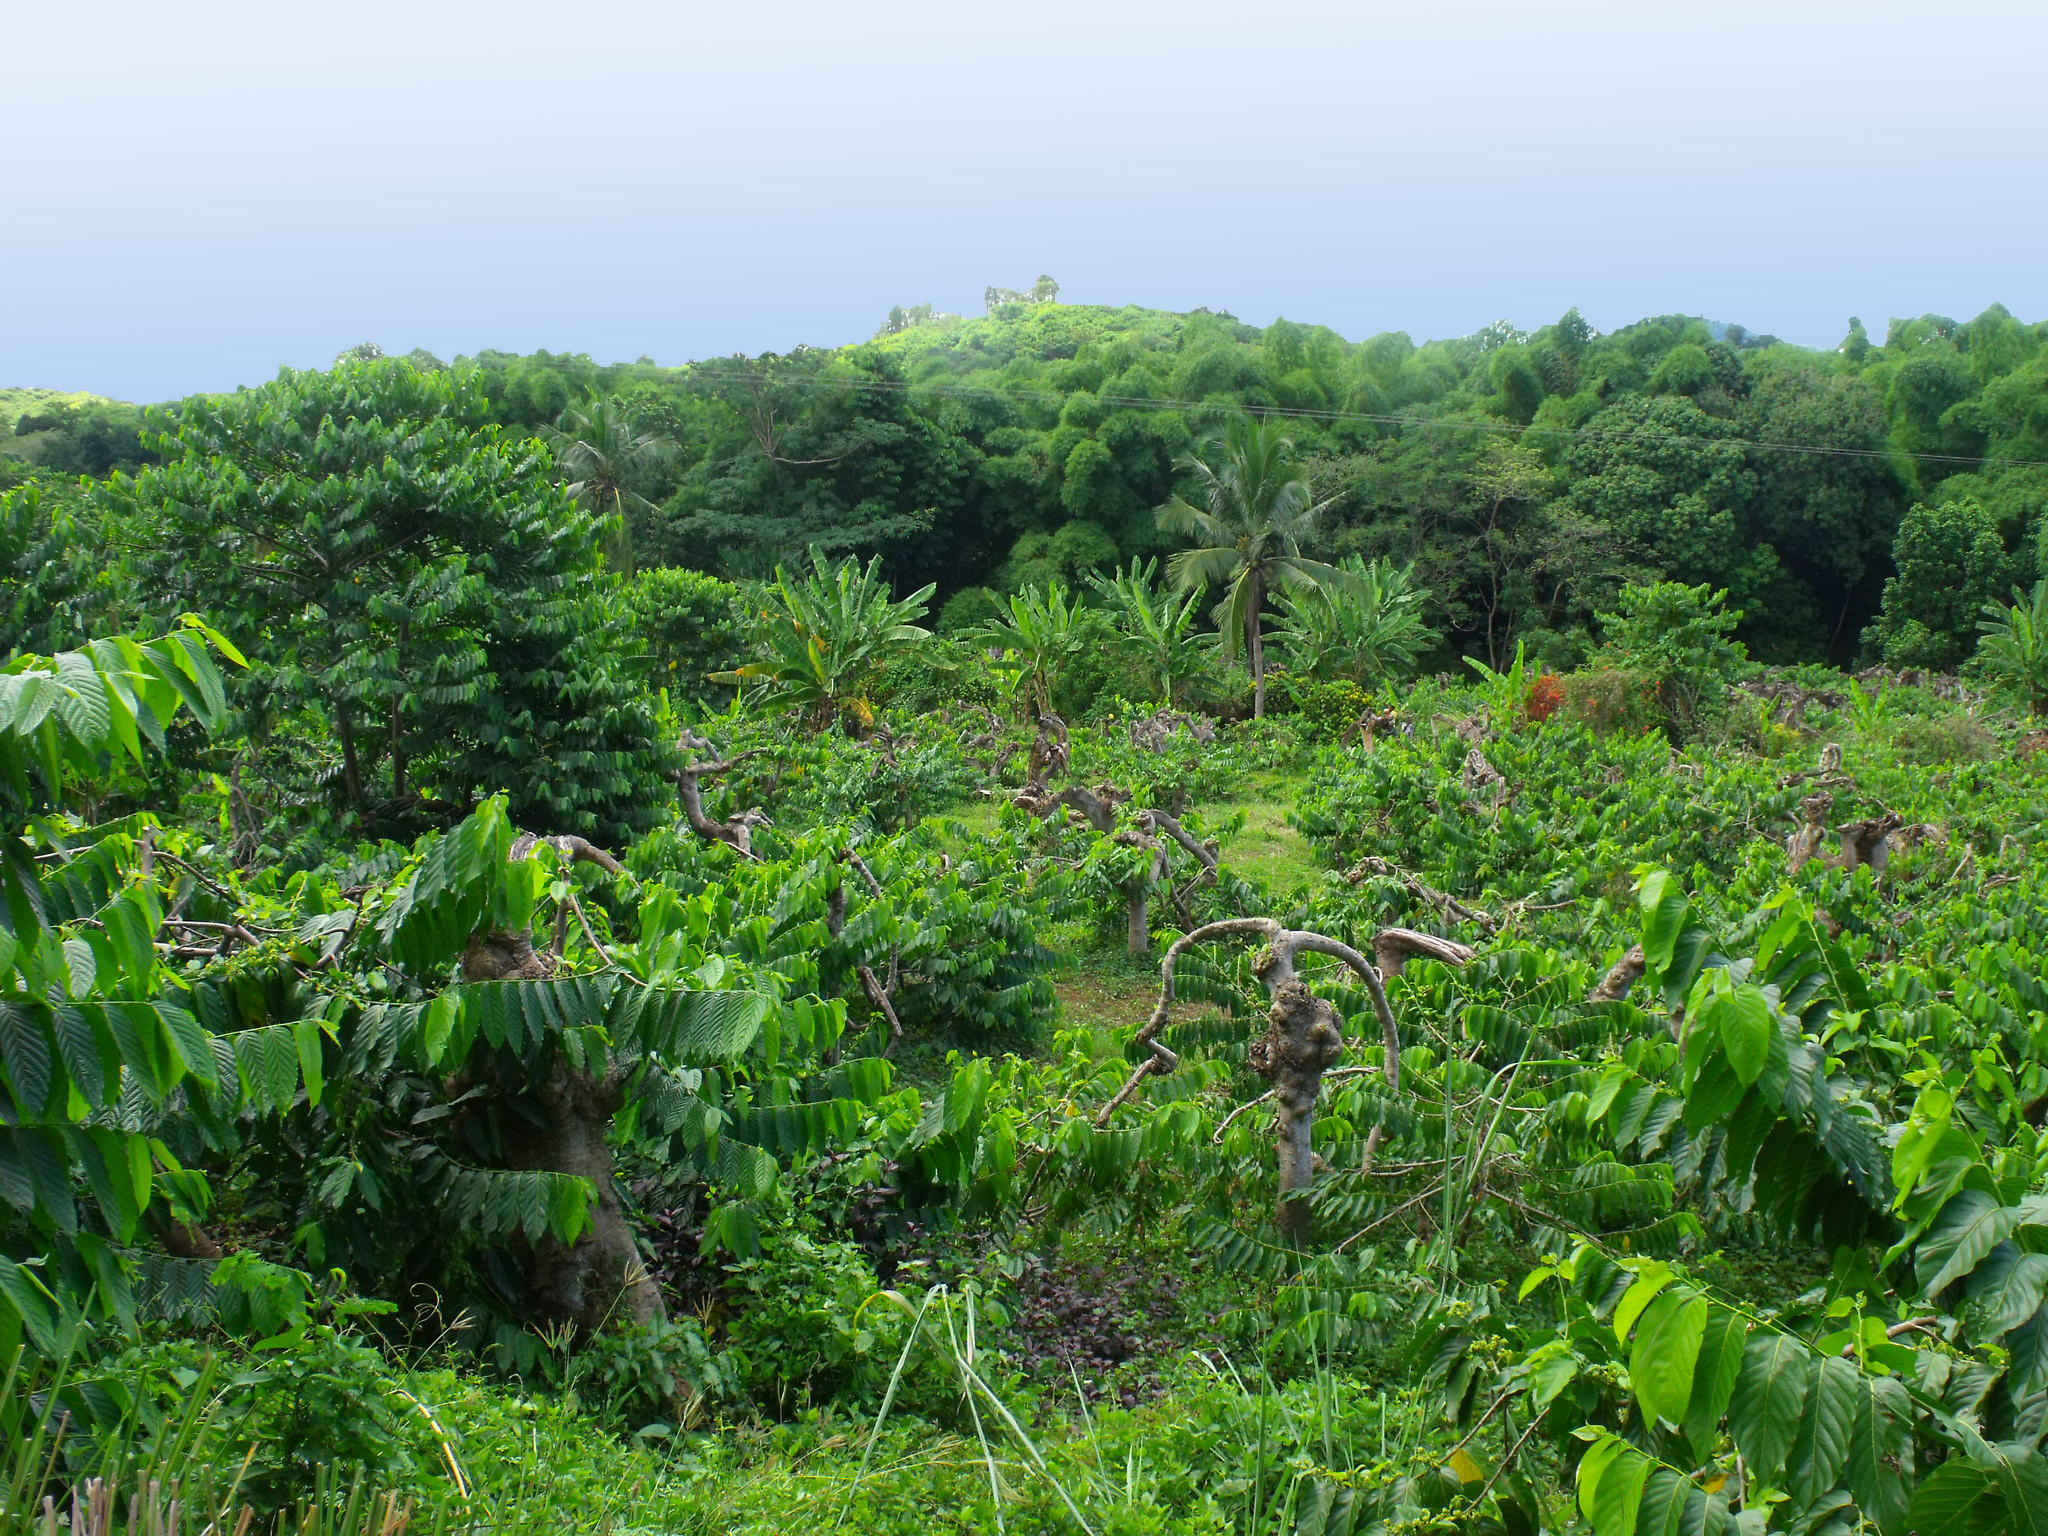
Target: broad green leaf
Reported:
point(966, 1096)
point(2023, 1479)
point(1959, 1498)
point(686, 1027)
point(438, 1026)
point(1881, 1453)
point(25, 1050)
point(1821, 1446)
point(1715, 1094)
point(1552, 1368)
point(131, 930)
point(1770, 1394)
point(190, 1042)
point(2027, 1354)
point(1619, 1496)
point(1743, 1016)
point(1662, 1509)
point(1595, 1465)
point(307, 1037)
point(2006, 1289)
point(1706, 1514)
point(1651, 1278)
point(34, 1305)
point(1969, 1227)
point(102, 1156)
point(1713, 1381)
point(745, 1172)
point(1665, 910)
point(1667, 1347)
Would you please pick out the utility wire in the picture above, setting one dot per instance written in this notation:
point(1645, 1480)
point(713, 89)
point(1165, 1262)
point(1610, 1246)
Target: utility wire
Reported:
point(1507, 428)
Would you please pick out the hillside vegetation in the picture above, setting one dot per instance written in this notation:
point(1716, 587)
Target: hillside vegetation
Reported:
point(1526, 475)
point(1082, 920)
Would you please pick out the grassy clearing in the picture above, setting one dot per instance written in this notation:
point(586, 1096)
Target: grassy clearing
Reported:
point(1270, 849)
point(1107, 993)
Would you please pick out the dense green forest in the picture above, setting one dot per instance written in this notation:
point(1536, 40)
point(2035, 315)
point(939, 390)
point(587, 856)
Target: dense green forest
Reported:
point(1081, 920)
point(1526, 476)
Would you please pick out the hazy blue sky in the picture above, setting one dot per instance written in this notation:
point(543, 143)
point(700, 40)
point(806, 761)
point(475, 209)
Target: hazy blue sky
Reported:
point(198, 193)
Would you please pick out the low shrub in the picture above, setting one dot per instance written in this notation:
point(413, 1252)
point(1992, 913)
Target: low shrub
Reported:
point(1611, 699)
point(660, 1372)
point(1329, 710)
point(1924, 740)
point(801, 1331)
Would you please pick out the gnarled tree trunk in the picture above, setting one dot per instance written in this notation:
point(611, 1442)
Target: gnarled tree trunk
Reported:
point(1138, 932)
point(1867, 843)
point(1304, 1038)
point(600, 1278)
point(738, 833)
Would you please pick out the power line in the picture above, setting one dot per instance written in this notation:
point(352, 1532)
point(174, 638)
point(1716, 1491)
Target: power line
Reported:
point(1306, 413)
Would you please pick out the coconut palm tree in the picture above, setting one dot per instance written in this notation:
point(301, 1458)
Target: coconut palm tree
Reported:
point(599, 448)
point(1255, 512)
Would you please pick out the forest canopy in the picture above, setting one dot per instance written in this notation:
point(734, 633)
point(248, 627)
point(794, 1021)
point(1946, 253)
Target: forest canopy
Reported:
point(1526, 476)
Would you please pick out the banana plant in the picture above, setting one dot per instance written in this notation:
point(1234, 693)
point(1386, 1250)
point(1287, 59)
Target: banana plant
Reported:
point(828, 631)
point(2015, 645)
point(1158, 629)
point(1040, 637)
point(1365, 625)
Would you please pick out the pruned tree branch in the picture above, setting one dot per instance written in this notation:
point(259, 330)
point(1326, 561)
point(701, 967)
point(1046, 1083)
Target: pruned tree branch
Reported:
point(1394, 947)
point(1620, 978)
point(738, 833)
point(1372, 866)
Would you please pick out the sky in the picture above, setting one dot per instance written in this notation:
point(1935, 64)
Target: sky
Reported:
point(198, 194)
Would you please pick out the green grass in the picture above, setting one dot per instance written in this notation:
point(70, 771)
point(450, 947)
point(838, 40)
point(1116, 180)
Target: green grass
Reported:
point(1270, 849)
point(1106, 992)
point(977, 816)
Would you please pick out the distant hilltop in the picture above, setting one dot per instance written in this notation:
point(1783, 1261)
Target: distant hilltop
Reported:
point(28, 404)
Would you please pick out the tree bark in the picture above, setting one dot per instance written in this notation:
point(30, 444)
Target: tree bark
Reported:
point(1255, 642)
point(1804, 845)
point(1301, 1043)
point(737, 834)
point(1138, 937)
point(1303, 1039)
point(1621, 979)
point(1867, 842)
point(1393, 948)
point(601, 1277)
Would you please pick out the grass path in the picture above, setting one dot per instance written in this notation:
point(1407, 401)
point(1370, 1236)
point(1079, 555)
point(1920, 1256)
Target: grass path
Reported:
point(1270, 848)
point(1110, 993)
